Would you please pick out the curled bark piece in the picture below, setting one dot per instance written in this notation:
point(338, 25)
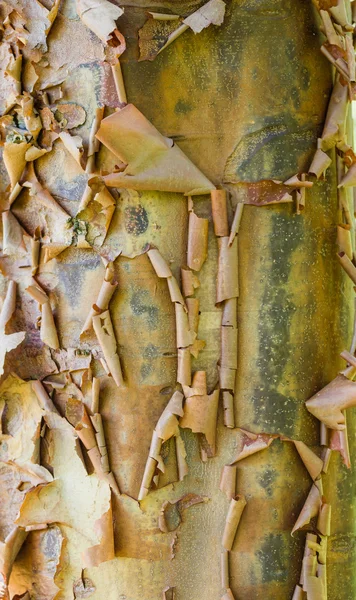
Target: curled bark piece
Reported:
point(339, 442)
point(349, 179)
point(9, 549)
point(324, 519)
point(298, 593)
point(100, 440)
point(347, 265)
point(252, 443)
point(334, 128)
point(197, 241)
point(219, 213)
point(97, 209)
point(314, 588)
point(295, 182)
point(74, 145)
point(48, 331)
point(14, 160)
point(119, 80)
point(184, 336)
point(106, 292)
point(228, 281)
point(228, 406)
point(158, 34)
point(159, 264)
point(210, 13)
point(35, 251)
point(184, 376)
point(200, 415)
point(228, 481)
point(11, 341)
point(95, 395)
point(344, 239)
point(170, 516)
point(77, 415)
point(309, 558)
point(228, 356)
point(99, 16)
point(13, 235)
point(167, 426)
point(199, 387)
point(350, 52)
point(328, 404)
point(174, 291)
point(104, 331)
point(94, 144)
point(37, 294)
point(153, 161)
point(229, 315)
point(233, 518)
point(92, 557)
point(9, 305)
point(312, 462)
point(52, 251)
point(339, 13)
point(169, 593)
point(193, 314)
point(43, 397)
point(43, 195)
point(310, 509)
point(236, 222)
point(329, 30)
point(225, 577)
point(189, 282)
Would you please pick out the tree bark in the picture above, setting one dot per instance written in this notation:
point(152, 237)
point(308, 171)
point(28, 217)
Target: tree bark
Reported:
point(245, 101)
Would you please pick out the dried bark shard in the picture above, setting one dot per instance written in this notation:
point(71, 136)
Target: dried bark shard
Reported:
point(252, 443)
point(170, 516)
point(310, 509)
point(328, 404)
point(228, 282)
point(104, 331)
point(48, 331)
point(312, 462)
point(153, 161)
point(228, 481)
point(334, 127)
point(339, 442)
point(324, 519)
point(106, 292)
point(167, 427)
point(236, 222)
point(197, 241)
point(233, 518)
point(210, 13)
point(99, 16)
point(219, 213)
point(10, 341)
point(190, 282)
point(200, 415)
point(344, 240)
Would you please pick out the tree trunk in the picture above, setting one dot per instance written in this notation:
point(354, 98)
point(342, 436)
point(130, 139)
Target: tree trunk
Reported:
point(246, 102)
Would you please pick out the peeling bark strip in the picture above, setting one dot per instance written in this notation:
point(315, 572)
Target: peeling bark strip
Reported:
point(144, 207)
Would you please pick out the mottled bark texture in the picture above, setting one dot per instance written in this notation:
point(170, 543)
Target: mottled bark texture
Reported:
point(245, 101)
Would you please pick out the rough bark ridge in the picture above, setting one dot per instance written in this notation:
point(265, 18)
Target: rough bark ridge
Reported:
point(177, 270)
